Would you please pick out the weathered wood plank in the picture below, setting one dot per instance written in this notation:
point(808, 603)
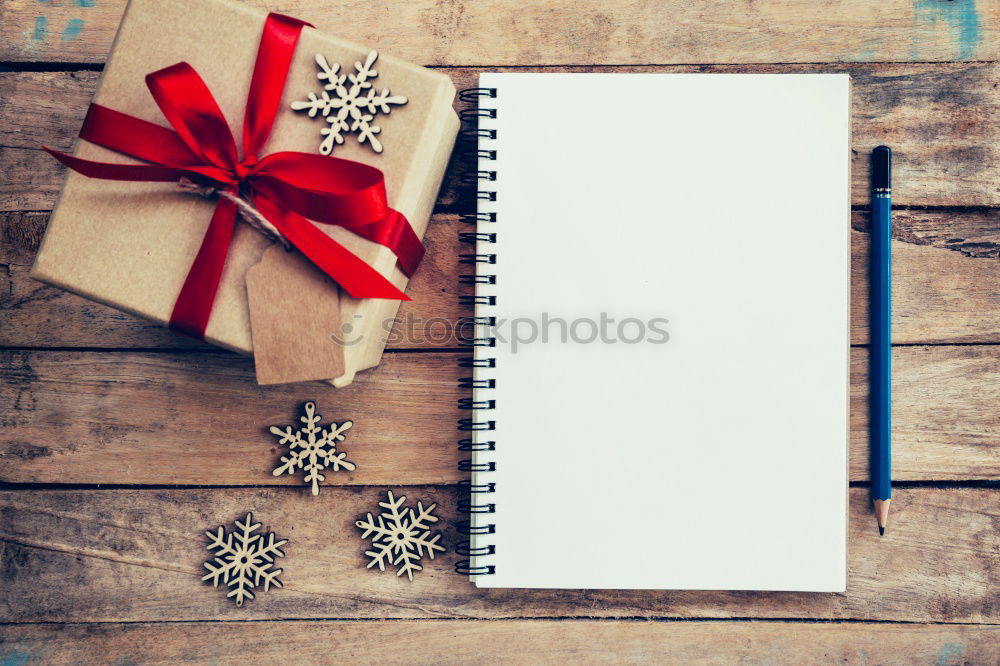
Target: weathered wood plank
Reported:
point(940, 296)
point(942, 120)
point(37, 315)
point(134, 555)
point(200, 418)
point(934, 412)
point(503, 642)
point(508, 32)
point(974, 233)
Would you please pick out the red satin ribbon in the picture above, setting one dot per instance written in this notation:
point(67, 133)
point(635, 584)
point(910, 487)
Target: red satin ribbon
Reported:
point(286, 187)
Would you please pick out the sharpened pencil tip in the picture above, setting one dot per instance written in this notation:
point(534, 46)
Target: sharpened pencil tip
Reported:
point(882, 514)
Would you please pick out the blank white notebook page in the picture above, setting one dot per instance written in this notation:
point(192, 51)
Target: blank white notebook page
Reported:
point(672, 303)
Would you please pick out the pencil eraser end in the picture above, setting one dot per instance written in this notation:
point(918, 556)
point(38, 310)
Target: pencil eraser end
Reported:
point(881, 168)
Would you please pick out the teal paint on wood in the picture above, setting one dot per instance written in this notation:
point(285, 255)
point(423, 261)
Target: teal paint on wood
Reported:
point(950, 654)
point(72, 30)
point(14, 658)
point(960, 17)
point(41, 28)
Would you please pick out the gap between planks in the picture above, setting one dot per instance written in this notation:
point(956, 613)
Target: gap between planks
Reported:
point(55, 66)
point(964, 484)
point(521, 618)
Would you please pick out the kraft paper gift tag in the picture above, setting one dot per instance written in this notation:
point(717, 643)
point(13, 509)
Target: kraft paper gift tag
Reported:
point(294, 319)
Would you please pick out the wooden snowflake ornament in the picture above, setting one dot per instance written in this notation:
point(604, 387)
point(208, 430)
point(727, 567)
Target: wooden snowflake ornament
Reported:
point(243, 560)
point(312, 448)
point(401, 536)
point(348, 109)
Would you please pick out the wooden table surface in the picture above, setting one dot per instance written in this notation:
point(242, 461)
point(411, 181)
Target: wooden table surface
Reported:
point(121, 443)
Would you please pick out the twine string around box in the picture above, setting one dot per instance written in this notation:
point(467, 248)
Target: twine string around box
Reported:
point(246, 210)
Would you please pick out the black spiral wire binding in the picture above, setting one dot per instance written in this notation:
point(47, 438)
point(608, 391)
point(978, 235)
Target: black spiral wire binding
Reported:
point(475, 500)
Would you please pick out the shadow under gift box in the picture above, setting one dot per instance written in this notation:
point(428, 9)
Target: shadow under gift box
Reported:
point(130, 244)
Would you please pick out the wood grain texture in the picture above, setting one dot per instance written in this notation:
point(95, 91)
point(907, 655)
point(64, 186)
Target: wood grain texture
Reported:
point(942, 120)
point(974, 233)
point(508, 32)
point(200, 418)
point(504, 642)
point(38, 315)
point(939, 295)
point(134, 555)
point(945, 291)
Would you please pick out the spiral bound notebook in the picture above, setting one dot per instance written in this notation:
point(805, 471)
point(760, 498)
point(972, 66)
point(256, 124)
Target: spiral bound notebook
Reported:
point(661, 359)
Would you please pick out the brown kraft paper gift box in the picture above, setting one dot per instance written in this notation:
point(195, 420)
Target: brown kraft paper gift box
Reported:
point(130, 244)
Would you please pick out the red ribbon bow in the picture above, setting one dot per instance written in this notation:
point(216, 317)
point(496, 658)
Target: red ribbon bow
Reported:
point(285, 187)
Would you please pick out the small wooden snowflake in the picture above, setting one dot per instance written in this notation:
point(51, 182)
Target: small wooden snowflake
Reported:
point(243, 559)
point(312, 448)
point(348, 109)
point(401, 536)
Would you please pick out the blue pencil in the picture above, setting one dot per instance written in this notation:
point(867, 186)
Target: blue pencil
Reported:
point(881, 344)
